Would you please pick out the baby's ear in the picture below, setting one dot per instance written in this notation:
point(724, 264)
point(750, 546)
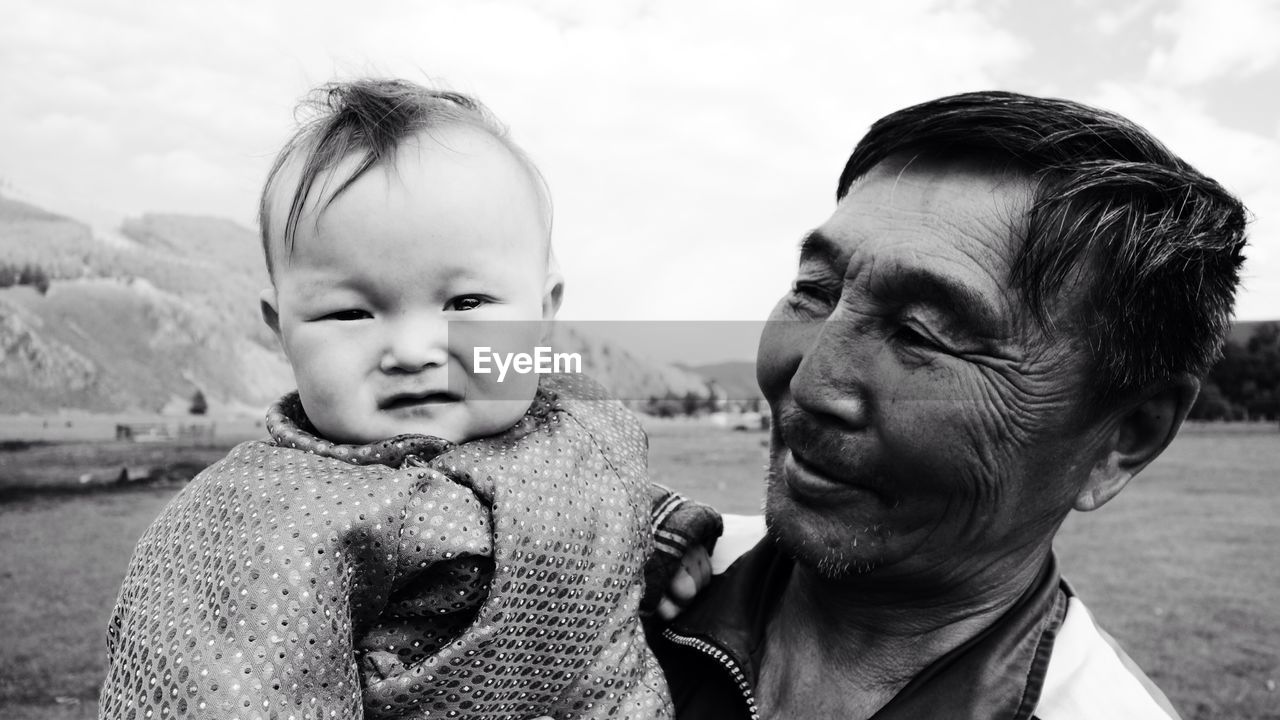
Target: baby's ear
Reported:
point(552, 290)
point(270, 315)
point(551, 297)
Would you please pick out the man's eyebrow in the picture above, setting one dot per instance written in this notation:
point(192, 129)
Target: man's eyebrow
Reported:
point(956, 298)
point(817, 246)
point(906, 283)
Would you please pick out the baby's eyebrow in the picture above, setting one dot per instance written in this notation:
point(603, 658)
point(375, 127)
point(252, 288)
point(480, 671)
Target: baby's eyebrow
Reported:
point(311, 286)
point(317, 285)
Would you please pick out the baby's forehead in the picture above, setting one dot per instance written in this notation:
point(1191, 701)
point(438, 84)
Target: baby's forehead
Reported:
point(324, 184)
point(332, 174)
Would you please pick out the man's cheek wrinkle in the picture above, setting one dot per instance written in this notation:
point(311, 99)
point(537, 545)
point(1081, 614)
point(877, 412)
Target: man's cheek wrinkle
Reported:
point(1004, 417)
point(979, 441)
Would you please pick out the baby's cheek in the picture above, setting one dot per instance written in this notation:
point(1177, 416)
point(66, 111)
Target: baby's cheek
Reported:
point(330, 391)
point(502, 406)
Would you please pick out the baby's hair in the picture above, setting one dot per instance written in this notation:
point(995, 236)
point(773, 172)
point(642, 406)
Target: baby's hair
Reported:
point(370, 117)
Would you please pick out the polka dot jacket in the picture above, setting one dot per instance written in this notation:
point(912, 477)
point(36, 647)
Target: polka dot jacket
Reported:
point(411, 578)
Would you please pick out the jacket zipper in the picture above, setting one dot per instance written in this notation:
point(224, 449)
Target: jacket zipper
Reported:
point(725, 661)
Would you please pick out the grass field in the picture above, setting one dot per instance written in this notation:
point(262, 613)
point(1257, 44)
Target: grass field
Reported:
point(1181, 567)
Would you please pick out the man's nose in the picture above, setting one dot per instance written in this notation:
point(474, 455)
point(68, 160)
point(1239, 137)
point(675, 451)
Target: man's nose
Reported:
point(415, 343)
point(831, 379)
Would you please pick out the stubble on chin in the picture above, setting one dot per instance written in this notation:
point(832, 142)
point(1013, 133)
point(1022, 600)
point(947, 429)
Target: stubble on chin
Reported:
point(831, 563)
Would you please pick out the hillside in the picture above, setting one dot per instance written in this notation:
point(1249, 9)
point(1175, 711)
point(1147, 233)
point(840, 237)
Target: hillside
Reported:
point(138, 324)
point(169, 306)
point(736, 379)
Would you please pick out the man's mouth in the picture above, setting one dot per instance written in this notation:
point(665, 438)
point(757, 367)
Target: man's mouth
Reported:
point(818, 483)
point(401, 401)
point(812, 448)
point(817, 464)
point(804, 473)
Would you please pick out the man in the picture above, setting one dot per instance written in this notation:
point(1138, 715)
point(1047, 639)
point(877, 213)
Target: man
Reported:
point(1005, 318)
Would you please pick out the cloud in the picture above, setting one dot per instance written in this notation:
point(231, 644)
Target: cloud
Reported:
point(688, 143)
point(1110, 19)
point(1212, 40)
point(1242, 161)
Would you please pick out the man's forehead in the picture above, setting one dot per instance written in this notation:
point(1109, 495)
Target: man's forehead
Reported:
point(945, 207)
point(948, 232)
point(953, 176)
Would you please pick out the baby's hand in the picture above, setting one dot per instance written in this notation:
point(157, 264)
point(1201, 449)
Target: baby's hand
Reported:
point(741, 533)
point(693, 575)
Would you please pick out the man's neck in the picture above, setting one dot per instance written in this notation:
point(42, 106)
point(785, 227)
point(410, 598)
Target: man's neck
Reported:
point(841, 648)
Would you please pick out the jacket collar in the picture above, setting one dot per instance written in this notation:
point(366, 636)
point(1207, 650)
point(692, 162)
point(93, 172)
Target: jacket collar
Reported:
point(997, 674)
point(289, 427)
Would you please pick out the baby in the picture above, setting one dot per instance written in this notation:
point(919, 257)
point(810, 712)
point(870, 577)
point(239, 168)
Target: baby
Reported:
point(418, 538)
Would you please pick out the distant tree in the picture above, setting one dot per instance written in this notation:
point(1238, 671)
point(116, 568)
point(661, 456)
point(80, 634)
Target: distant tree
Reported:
point(717, 398)
point(1247, 378)
point(1211, 404)
point(1264, 354)
point(664, 407)
point(26, 274)
point(692, 403)
point(653, 405)
point(1265, 336)
point(199, 405)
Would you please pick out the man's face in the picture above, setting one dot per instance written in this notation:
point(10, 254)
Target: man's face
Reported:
point(923, 426)
point(374, 302)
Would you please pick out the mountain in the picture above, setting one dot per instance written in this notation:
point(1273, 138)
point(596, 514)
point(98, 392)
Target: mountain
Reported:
point(628, 376)
point(168, 305)
point(736, 379)
point(136, 324)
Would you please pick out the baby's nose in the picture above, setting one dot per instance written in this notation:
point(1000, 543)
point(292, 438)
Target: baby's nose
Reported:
point(415, 345)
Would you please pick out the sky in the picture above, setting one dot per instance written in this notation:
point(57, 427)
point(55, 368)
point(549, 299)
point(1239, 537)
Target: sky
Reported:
point(688, 144)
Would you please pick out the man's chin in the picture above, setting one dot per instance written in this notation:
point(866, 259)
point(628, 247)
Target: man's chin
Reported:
point(818, 541)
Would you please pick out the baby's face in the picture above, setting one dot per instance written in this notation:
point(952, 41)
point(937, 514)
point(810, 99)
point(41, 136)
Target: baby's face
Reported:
point(374, 302)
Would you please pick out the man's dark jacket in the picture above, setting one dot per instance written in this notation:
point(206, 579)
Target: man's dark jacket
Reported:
point(711, 655)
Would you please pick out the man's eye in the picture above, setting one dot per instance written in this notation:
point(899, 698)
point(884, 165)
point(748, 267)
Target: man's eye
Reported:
point(911, 336)
point(812, 295)
point(463, 303)
point(347, 315)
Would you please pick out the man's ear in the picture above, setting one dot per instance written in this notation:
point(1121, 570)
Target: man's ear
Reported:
point(270, 315)
point(1141, 433)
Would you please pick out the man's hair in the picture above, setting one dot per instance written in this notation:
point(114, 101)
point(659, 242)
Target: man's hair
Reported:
point(369, 118)
point(1156, 245)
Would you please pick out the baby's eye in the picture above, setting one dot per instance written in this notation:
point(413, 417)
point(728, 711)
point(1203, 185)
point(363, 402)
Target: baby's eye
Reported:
point(348, 315)
point(463, 303)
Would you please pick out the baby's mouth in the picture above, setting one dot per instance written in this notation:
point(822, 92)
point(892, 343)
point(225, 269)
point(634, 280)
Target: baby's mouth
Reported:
point(412, 400)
